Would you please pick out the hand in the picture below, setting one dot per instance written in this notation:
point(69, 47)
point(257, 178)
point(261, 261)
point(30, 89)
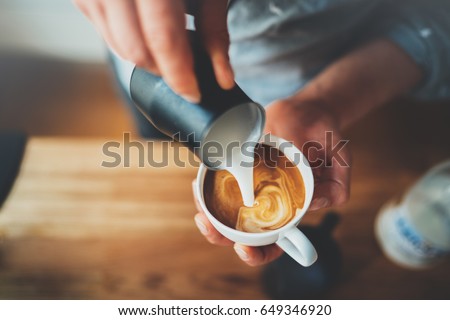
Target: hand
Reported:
point(314, 130)
point(305, 124)
point(151, 34)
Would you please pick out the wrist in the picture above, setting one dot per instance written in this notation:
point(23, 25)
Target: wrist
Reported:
point(364, 79)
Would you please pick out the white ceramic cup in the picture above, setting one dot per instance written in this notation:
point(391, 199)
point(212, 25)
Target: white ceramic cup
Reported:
point(289, 237)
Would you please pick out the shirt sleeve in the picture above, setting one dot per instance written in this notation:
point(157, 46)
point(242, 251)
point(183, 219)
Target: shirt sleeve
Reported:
point(422, 29)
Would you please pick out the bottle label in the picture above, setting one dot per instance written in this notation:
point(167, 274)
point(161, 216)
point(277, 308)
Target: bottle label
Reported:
point(412, 241)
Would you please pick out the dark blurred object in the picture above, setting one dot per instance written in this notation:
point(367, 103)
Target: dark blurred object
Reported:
point(286, 279)
point(12, 147)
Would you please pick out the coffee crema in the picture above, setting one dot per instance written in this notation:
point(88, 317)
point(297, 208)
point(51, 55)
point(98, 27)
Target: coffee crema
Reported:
point(279, 191)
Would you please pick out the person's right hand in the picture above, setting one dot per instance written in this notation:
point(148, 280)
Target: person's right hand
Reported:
point(306, 125)
point(151, 34)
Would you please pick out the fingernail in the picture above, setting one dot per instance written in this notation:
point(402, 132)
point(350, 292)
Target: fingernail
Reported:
point(320, 203)
point(203, 229)
point(241, 253)
point(228, 79)
point(192, 98)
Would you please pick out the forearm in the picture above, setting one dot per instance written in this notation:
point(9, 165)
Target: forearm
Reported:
point(362, 80)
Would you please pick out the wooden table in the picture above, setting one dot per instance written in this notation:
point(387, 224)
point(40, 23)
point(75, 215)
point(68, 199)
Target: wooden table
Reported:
point(74, 229)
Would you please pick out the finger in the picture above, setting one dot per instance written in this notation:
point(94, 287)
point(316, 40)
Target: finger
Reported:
point(163, 27)
point(255, 256)
point(125, 30)
point(331, 193)
point(82, 5)
point(95, 12)
point(211, 234)
point(333, 185)
point(211, 22)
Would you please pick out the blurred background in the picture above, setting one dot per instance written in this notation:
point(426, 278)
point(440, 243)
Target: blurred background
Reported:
point(72, 229)
point(53, 70)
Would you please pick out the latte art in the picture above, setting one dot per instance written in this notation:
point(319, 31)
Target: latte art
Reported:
point(279, 192)
point(274, 205)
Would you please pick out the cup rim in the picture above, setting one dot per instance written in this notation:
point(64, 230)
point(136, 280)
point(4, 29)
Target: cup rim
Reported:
point(305, 171)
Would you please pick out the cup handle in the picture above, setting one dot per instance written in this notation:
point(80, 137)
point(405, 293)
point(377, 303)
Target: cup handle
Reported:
point(298, 246)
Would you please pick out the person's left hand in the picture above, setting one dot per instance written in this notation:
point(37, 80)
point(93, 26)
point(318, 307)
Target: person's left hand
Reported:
point(305, 124)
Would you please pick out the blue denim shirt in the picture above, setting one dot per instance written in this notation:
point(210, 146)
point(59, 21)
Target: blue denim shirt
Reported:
point(277, 46)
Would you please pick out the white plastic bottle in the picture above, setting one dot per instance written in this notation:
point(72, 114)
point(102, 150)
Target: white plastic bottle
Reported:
point(415, 233)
